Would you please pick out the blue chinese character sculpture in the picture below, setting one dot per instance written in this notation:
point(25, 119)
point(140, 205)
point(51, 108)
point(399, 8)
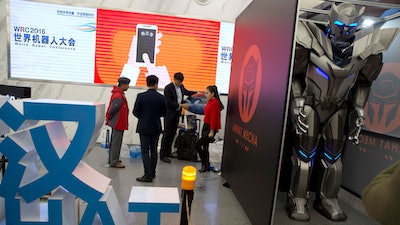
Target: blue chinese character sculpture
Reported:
point(42, 159)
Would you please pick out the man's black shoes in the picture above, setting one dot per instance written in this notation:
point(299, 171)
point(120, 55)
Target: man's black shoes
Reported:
point(144, 179)
point(165, 159)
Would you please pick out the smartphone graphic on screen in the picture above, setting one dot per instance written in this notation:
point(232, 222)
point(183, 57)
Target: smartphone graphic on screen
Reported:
point(146, 42)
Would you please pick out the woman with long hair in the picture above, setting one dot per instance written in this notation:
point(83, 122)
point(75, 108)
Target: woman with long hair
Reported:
point(212, 123)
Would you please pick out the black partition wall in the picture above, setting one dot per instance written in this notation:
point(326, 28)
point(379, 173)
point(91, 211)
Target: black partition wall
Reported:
point(257, 104)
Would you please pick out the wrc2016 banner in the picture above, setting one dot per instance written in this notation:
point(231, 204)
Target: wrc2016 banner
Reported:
point(86, 45)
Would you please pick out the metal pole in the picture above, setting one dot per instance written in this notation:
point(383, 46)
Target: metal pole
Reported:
point(187, 198)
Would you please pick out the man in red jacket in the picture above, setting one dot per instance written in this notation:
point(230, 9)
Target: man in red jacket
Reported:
point(117, 119)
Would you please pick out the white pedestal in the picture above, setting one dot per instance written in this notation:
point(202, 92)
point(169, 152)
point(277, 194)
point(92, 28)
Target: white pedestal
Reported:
point(154, 201)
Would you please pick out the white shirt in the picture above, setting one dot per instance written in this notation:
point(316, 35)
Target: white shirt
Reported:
point(178, 95)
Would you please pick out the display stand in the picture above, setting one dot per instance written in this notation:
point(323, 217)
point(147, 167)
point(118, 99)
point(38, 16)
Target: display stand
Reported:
point(154, 201)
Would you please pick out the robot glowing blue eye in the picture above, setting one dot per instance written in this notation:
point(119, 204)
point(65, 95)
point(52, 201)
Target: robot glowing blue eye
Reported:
point(339, 23)
point(353, 25)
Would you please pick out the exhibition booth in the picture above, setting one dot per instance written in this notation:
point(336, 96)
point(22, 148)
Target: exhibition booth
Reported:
point(89, 48)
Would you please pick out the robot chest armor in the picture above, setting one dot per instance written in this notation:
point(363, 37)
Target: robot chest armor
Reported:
point(330, 83)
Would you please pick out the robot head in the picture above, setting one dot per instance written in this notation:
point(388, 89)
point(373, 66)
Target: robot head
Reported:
point(344, 20)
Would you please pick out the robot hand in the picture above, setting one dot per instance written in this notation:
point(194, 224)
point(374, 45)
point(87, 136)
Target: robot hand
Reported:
point(298, 116)
point(355, 132)
point(300, 126)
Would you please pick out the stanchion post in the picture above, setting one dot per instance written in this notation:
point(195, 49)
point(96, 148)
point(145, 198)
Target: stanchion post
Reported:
point(188, 180)
point(107, 145)
point(107, 138)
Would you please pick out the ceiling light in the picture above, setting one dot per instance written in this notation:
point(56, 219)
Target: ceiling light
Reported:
point(367, 23)
point(202, 2)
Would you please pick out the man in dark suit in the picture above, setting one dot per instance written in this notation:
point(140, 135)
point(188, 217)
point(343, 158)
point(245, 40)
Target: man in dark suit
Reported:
point(173, 93)
point(149, 107)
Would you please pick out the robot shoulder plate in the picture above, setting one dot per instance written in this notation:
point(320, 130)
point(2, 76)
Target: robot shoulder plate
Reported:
point(304, 35)
point(373, 42)
point(311, 37)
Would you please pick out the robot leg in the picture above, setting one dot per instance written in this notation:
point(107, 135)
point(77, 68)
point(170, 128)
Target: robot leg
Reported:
point(326, 201)
point(331, 168)
point(302, 160)
point(299, 194)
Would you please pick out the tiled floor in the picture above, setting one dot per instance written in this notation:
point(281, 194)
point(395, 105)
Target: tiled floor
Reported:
point(213, 204)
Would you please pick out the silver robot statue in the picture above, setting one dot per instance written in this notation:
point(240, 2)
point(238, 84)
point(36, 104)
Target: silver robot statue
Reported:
point(335, 66)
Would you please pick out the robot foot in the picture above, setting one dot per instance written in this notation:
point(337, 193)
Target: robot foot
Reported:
point(296, 209)
point(330, 209)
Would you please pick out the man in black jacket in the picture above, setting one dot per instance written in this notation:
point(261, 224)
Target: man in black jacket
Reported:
point(173, 93)
point(149, 107)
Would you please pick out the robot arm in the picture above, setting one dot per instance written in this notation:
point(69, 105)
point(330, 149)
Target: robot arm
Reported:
point(360, 95)
point(357, 122)
point(297, 89)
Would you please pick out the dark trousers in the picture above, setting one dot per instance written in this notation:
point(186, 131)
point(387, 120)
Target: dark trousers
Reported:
point(148, 145)
point(203, 144)
point(170, 126)
point(115, 146)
